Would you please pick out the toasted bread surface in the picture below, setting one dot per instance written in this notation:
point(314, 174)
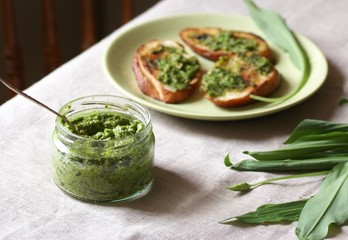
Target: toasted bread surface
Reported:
point(212, 43)
point(234, 78)
point(147, 63)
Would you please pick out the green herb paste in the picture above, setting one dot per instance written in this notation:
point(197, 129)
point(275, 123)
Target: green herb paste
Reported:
point(176, 69)
point(225, 41)
point(226, 75)
point(106, 126)
point(110, 161)
point(219, 81)
point(261, 64)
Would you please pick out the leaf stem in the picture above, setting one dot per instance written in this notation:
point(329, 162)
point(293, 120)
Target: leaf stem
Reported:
point(243, 186)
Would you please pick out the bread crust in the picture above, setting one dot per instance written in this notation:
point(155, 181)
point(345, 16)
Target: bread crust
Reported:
point(258, 85)
point(146, 76)
point(207, 53)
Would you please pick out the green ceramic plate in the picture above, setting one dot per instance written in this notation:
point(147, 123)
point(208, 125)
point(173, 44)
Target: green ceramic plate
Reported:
point(118, 55)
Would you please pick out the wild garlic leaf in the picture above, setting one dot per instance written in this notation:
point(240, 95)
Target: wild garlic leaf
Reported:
point(271, 213)
point(227, 161)
point(332, 136)
point(325, 163)
point(277, 31)
point(297, 150)
point(315, 127)
point(328, 206)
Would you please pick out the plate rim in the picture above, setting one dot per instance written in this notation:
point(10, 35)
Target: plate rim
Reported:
point(160, 106)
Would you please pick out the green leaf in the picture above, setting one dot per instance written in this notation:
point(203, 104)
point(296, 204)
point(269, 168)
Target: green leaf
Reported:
point(297, 150)
point(332, 136)
point(271, 213)
point(227, 161)
point(277, 31)
point(314, 164)
point(315, 127)
point(328, 206)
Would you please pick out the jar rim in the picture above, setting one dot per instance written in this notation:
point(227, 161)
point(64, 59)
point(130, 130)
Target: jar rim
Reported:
point(147, 123)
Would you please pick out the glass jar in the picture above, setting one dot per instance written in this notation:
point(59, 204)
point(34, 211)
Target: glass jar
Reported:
point(103, 170)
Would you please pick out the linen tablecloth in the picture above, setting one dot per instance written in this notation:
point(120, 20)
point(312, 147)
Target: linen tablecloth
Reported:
point(189, 196)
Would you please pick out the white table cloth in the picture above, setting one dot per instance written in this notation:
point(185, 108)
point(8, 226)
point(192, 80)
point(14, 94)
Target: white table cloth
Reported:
point(189, 196)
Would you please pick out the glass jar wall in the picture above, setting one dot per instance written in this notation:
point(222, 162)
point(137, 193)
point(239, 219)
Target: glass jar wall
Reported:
point(111, 156)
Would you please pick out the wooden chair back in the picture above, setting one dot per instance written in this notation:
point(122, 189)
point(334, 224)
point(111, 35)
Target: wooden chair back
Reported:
point(13, 65)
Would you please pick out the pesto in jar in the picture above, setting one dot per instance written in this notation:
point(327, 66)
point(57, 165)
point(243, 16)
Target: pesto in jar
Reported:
point(109, 160)
point(106, 126)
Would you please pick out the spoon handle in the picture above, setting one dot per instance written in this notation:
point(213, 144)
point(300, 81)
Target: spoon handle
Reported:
point(39, 103)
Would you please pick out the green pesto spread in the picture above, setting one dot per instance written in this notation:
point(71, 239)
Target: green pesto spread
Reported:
point(109, 161)
point(225, 41)
point(220, 80)
point(226, 75)
point(261, 64)
point(106, 126)
point(176, 68)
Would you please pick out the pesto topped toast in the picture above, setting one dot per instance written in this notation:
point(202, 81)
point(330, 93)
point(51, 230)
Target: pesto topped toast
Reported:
point(164, 71)
point(235, 77)
point(212, 43)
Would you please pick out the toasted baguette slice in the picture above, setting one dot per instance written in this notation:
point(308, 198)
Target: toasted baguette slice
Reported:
point(148, 74)
point(201, 39)
point(248, 77)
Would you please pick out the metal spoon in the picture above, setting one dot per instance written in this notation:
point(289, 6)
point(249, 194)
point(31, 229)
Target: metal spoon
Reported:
point(65, 119)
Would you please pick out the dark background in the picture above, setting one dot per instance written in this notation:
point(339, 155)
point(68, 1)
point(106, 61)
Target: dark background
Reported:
point(68, 21)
